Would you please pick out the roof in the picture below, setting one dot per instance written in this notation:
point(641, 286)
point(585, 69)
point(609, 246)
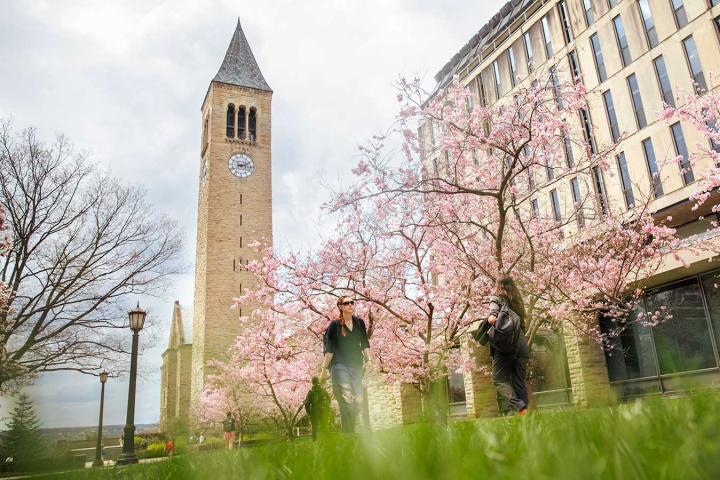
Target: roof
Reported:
point(239, 66)
point(180, 334)
point(485, 36)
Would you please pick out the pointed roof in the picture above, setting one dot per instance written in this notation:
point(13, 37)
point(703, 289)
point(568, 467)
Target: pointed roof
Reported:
point(239, 66)
point(177, 333)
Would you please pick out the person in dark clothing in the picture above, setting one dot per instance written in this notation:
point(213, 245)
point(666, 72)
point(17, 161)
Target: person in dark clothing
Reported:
point(317, 406)
point(346, 349)
point(509, 369)
point(229, 427)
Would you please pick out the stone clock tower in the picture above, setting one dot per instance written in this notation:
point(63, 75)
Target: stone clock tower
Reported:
point(235, 201)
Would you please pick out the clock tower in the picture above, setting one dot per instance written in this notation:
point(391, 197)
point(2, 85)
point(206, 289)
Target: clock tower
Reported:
point(234, 202)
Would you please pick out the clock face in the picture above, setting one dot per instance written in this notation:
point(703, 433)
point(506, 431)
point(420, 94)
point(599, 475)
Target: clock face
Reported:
point(241, 165)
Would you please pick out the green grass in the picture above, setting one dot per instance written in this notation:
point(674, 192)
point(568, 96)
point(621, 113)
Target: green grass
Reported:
point(656, 439)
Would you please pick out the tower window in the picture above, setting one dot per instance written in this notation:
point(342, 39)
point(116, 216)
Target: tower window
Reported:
point(233, 264)
point(241, 243)
point(241, 123)
point(240, 220)
point(252, 124)
point(205, 134)
point(230, 128)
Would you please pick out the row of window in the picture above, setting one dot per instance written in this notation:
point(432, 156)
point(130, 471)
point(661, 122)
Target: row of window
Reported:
point(245, 123)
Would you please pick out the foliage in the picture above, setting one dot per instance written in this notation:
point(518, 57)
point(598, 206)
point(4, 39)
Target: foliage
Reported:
point(653, 439)
point(22, 440)
point(153, 450)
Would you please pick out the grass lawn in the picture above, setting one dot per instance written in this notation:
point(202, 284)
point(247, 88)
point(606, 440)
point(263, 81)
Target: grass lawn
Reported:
point(677, 438)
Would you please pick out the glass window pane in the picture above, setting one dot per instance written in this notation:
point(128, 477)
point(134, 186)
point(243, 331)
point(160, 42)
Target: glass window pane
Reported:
point(630, 353)
point(683, 342)
point(597, 52)
point(711, 288)
point(622, 41)
point(548, 365)
point(693, 59)
point(637, 101)
point(664, 80)
point(612, 117)
point(681, 149)
point(648, 23)
point(653, 170)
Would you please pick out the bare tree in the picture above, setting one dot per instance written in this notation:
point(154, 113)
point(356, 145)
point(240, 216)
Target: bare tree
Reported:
point(82, 247)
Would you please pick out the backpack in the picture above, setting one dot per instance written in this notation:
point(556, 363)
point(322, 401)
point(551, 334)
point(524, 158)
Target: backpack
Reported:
point(504, 333)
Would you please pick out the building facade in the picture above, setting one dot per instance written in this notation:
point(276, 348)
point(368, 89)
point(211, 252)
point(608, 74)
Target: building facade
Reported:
point(234, 209)
point(631, 55)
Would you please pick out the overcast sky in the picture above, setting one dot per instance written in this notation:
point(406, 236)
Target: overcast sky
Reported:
point(124, 80)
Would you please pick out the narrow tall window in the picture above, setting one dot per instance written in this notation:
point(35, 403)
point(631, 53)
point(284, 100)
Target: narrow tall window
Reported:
point(574, 65)
point(496, 75)
point(511, 64)
point(681, 149)
point(534, 208)
point(528, 50)
point(622, 41)
point(612, 117)
point(547, 36)
point(600, 193)
point(549, 172)
point(205, 134)
point(557, 215)
point(637, 101)
point(569, 160)
point(483, 94)
point(252, 124)
point(653, 170)
point(241, 123)
point(613, 3)
point(693, 60)
point(556, 87)
point(587, 131)
point(597, 53)
point(241, 220)
point(531, 177)
point(648, 23)
point(625, 182)
point(680, 14)
point(589, 16)
point(230, 122)
point(664, 80)
point(712, 125)
point(565, 19)
point(577, 202)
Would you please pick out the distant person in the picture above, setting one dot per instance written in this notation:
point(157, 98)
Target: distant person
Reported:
point(201, 439)
point(509, 357)
point(346, 349)
point(170, 447)
point(229, 430)
point(317, 406)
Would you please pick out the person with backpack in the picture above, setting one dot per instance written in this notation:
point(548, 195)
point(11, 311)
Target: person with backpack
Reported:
point(229, 431)
point(346, 349)
point(504, 330)
point(317, 406)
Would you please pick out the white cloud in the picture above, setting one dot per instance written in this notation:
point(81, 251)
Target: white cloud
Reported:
point(125, 81)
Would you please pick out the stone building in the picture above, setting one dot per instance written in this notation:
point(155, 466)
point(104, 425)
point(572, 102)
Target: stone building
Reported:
point(234, 211)
point(175, 374)
point(632, 55)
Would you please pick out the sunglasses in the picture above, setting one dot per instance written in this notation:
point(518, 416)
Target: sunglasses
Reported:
point(351, 302)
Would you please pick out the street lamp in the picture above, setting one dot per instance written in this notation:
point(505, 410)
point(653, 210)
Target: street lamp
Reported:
point(98, 449)
point(137, 320)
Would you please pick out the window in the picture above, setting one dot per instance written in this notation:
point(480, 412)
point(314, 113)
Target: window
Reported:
point(587, 7)
point(622, 41)
point(569, 160)
point(549, 172)
point(547, 36)
point(528, 50)
point(712, 125)
point(468, 103)
point(648, 23)
point(431, 126)
point(241, 122)
point(625, 182)
point(679, 11)
point(637, 101)
point(664, 80)
point(555, 205)
point(511, 64)
point(693, 60)
point(655, 180)
point(577, 201)
point(230, 122)
point(612, 117)
point(556, 87)
point(681, 149)
point(483, 95)
point(600, 193)
point(496, 74)
point(597, 53)
point(565, 19)
point(531, 177)
point(534, 209)
point(241, 220)
point(574, 65)
point(587, 130)
point(252, 124)
point(205, 134)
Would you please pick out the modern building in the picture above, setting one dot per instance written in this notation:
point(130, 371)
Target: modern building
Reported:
point(234, 211)
point(631, 55)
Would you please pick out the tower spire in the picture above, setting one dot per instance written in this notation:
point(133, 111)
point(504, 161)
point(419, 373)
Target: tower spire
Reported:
point(239, 66)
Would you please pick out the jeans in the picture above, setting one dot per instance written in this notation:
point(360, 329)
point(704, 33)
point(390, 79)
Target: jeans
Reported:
point(347, 384)
point(508, 374)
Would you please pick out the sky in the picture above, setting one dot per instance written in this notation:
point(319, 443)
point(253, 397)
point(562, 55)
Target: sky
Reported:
point(124, 81)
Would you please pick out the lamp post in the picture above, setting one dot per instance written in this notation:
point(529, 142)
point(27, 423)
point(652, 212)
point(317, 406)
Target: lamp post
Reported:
point(137, 320)
point(98, 449)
